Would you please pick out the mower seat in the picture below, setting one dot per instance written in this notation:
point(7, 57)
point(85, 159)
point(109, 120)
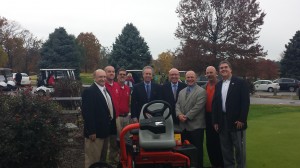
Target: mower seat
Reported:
point(152, 141)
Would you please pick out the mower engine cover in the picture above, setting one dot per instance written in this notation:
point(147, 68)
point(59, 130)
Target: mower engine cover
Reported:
point(157, 125)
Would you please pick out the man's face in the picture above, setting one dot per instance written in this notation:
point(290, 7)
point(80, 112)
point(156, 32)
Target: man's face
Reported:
point(174, 76)
point(190, 78)
point(110, 73)
point(147, 75)
point(211, 73)
point(122, 76)
point(225, 70)
point(100, 78)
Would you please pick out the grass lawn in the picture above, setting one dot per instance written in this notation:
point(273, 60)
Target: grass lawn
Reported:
point(273, 137)
point(86, 78)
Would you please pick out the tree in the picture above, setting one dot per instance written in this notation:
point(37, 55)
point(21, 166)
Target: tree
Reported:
point(60, 51)
point(219, 29)
point(91, 53)
point(164, 62)
point(130, 50)
point(291, 59)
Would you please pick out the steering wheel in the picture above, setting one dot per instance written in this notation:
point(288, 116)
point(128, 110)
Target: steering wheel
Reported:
point(148, 113)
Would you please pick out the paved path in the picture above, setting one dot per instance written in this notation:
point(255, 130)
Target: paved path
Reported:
point(254, 100)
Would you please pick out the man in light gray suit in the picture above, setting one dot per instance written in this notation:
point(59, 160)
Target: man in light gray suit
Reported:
point(190, 110)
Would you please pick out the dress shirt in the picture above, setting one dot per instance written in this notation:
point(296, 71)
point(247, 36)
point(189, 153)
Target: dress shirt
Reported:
point(225, 86)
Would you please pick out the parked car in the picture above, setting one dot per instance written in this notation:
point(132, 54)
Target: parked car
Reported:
point(25, 79)
point(288, 84)
point(265, 85)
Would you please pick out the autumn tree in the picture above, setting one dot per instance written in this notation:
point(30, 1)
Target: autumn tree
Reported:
point(164, 62)
point(291, 59)
point(130, 50)
point(91, 51)
point(214, 30)
point(60, 51)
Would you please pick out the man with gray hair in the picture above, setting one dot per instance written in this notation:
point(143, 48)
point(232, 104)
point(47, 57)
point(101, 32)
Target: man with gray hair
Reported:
point(144, 92)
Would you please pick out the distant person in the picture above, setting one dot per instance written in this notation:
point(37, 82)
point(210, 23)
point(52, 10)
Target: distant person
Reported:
point(190, 110)
point(18, 79)
point(170, 91)
point(143, 93)
point(98, 117)
point(230, 111)
point(51, 80)
point(129, 81)
point(212, 137)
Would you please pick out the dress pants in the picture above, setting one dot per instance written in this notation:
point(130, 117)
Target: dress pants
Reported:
point(213, 143)
point(196, 138)
point(92, 150)
point(233, 145)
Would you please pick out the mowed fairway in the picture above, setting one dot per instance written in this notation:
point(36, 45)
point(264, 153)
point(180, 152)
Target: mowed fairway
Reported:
point(273, 136)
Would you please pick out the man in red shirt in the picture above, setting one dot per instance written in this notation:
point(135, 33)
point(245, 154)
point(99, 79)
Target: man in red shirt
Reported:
point(124, 97)
point(114, 90)
point(212, 137)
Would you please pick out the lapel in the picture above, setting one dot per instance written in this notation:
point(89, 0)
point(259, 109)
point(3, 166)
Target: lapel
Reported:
point(170, 88)
point(101, 96)
point(190, 96)
point(231, 85)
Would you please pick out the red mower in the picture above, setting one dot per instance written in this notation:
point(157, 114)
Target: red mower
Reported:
point(153, 141)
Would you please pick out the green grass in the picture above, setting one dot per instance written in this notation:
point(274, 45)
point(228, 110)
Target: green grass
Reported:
point(273, 137)
point(86, 78)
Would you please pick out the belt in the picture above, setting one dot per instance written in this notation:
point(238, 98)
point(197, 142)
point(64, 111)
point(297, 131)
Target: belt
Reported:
point(123, 115)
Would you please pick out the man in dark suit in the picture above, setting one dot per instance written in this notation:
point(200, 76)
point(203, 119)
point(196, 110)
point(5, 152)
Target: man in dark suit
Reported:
point(143, 93)
point(230, 110)
point(99, 117)
point(170, 91)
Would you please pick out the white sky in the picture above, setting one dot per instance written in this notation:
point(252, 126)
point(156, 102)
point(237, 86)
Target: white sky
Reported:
point(155, 19)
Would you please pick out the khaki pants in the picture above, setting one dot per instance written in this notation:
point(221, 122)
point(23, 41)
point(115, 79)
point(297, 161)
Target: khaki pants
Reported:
point(93, 150)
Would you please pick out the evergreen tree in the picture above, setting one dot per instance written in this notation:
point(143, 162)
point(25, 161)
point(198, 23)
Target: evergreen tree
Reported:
point(61, 51)
point(130, 50)
point(291, 58)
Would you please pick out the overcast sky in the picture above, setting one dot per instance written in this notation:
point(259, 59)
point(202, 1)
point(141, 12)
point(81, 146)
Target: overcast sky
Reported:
point(155, 19)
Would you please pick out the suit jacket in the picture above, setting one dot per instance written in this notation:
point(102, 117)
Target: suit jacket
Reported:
point(193, 107)
point(167, 95)
point(237, 103)
point(96, 115)
point(139, 97)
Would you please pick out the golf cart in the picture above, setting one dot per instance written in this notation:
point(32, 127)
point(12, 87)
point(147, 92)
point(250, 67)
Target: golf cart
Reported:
point(153, 141)
point(43, 85)
point(6, 80)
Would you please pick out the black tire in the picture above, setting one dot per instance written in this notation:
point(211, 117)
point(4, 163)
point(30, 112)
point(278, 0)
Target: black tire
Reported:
point(291, 89)
point(270, 89)
point(41, 93)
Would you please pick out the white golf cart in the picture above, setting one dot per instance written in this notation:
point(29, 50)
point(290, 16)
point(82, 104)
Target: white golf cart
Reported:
point(42, 81)
point(6, 80)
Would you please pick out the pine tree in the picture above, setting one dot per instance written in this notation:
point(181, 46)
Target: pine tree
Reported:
point(60, 51)
point(291, 58)
point(130, 50)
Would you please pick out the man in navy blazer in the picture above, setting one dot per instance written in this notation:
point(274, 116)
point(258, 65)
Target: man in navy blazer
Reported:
point(99, 117)
point(143, 93)
point(230, 110)
point(170, 91)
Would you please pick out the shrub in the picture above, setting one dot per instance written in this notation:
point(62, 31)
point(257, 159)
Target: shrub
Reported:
point(30, 132)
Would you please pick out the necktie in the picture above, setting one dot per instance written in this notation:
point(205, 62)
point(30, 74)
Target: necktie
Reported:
point(174, 91)
point(148, 91)
point(188, 90)
point(109, 103)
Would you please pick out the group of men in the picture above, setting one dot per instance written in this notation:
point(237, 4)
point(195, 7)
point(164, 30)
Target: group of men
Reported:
point(219, 109)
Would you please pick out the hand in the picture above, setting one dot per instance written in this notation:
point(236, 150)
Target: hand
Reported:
point(239, 125)
point(182, 118)
point(134, 120)
point(92, 137)
point(216, 126)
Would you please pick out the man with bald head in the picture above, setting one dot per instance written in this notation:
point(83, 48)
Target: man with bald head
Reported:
point(98, 117)
point(212, 136)
point(190, 110)
point(170, 91)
